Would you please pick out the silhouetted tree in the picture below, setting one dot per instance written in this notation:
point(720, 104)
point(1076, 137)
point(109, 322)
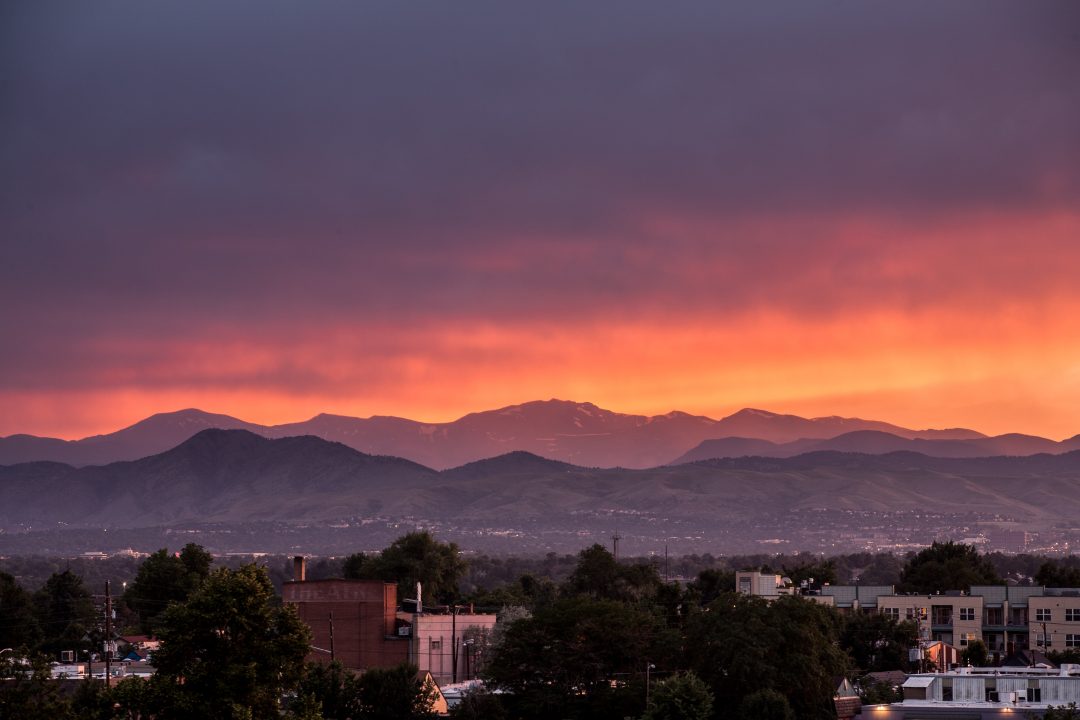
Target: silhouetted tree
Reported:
point(561, 661)
point(742, 645)
point(947, 566)
point(396, 693)
point(766, 704)
point(65, 613)
point(19, 625)
point(876, 642)
point(230, 647)
point(479, 704)
point(681, 697)
point(27, 690)
point(710, 584)
point(164, 578)
point(975, 654)
point(1062, 712)
point(415, 557)
point(1053, 574)
point(598, 575)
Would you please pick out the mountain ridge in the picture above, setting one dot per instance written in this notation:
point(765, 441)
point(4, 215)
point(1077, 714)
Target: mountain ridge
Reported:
point(235, 476)
point(576, 432)
point(876, 442)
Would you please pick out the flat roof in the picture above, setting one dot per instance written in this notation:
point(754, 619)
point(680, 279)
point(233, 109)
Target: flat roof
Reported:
point(917, 681)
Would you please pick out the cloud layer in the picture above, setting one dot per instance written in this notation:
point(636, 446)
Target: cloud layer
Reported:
point(274, 209)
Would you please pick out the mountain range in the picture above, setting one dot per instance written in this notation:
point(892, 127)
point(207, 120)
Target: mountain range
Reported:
point(232, 476)
point(578, 433)
point(875, 442)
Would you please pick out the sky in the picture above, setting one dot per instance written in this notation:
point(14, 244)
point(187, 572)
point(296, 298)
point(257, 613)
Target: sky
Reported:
point(277, 209)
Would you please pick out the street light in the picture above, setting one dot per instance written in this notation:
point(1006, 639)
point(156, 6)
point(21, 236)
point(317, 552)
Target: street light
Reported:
point(648, 666)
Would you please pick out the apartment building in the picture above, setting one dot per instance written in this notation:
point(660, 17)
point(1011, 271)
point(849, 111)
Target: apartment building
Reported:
point(1055, 619)
point(1005, 618)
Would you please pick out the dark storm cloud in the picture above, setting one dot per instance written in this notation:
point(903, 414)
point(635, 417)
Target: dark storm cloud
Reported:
point(172, 167)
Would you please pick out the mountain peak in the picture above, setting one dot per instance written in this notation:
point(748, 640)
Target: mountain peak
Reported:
point(753, 413)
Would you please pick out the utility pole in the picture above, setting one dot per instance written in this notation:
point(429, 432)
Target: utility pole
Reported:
point(332, 657)
point(108, 636)
point(453, 644)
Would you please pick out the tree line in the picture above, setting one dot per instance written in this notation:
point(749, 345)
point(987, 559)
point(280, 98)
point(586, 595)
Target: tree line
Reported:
point(607, 639)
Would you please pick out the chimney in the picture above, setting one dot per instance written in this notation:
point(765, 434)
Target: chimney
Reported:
point(298, 568)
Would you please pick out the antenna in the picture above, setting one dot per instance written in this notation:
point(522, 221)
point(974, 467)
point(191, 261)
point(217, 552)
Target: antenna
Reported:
point(615, 542)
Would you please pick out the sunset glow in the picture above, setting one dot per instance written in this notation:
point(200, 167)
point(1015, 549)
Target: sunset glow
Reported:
point(650, 215)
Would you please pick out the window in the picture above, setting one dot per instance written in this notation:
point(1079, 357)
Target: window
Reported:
point(967, 638)
point(1072, 641)
point(893, 613)
point(967, 613)
point(1072, 614)
point(436, 644)
point(1034, 694)
point(1042, 615)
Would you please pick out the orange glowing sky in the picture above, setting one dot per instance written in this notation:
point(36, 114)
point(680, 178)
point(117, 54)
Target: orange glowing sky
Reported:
point(873, 213)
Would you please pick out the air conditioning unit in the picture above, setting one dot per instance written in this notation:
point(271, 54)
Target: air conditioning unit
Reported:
point(404, 631)
point(67, 656)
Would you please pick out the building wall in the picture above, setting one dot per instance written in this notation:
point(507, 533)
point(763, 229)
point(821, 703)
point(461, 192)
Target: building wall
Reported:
point(364, 621)
point(954, 619)
point(766, 585)
point(1063, 626)
point(435, 638)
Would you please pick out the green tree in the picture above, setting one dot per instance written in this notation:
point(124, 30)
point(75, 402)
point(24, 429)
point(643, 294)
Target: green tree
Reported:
point(561, 661)
point(742, 645)
point(1052, 574)
point(396, 693)
point(766, 704)
point(479, 704)
point(878, 692)
point(27, 690)
point(65, 613)
point(975, 654)
point(332, 688)
point(681, 697)
point(412, 558)
point(947, 566)
point(877, 642)
point(1062, 712)
point(598, 575)
point(92, 701)
point(164, 578)
point(819, 573)
point(710, 584)
point(1069, 655)
point(230, 651)
point(19, 626)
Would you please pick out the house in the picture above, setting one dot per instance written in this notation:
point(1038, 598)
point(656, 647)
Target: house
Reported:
point(144, 645)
